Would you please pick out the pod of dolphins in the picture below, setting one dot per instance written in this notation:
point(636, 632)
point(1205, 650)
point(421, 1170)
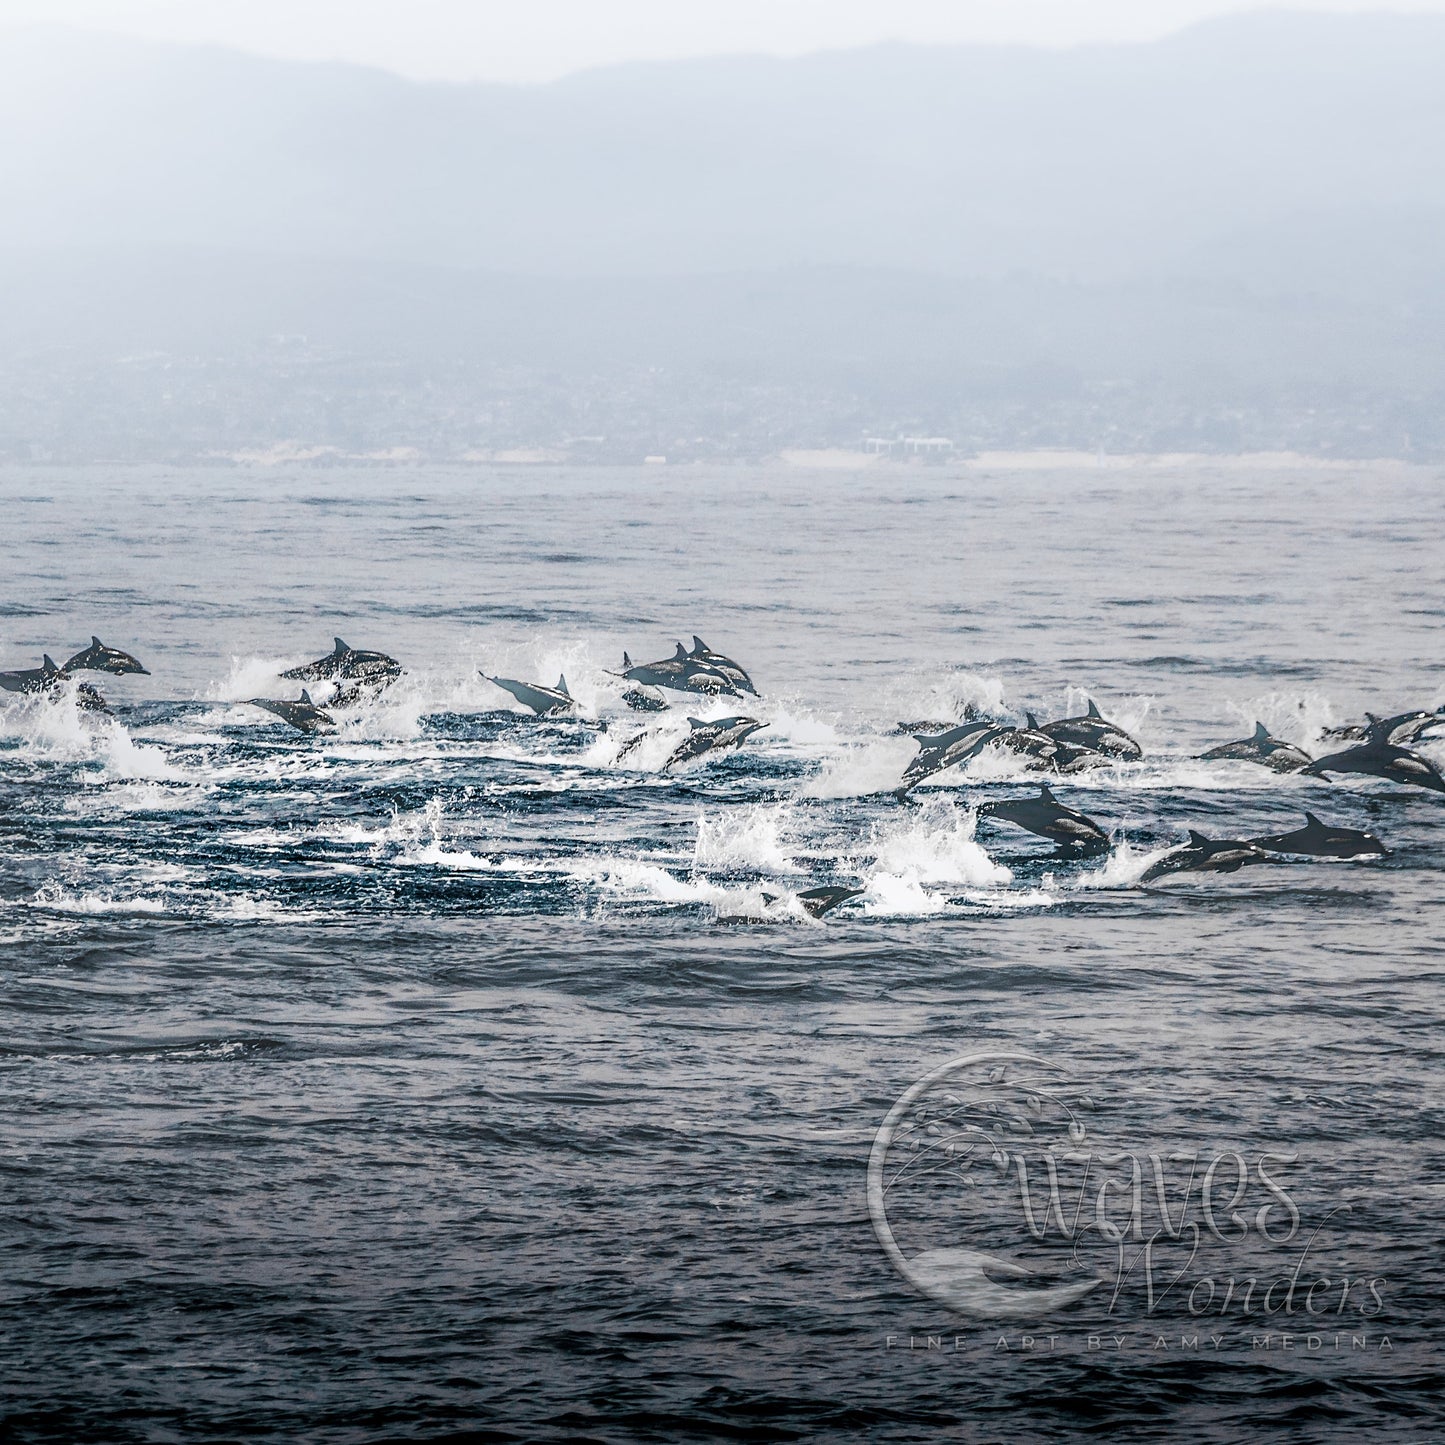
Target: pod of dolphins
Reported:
point(1378, 747)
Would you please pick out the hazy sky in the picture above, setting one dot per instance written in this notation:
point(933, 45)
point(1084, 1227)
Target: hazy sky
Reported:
point(521, 40)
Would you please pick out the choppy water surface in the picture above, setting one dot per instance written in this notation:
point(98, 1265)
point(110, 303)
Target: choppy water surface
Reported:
point(423, 1079)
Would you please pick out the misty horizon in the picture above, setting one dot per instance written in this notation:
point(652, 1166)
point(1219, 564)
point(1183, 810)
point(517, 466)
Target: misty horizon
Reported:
point(1228, 239)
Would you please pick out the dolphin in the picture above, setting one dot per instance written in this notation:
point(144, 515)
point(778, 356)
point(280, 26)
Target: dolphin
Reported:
point(100, 658)
point(34, 679)
point(1206, 855)
point(544, 701)
point(1270, 751)
point(48, 680)
point(303, 714)
point(87, 699)
point(1092, 731)
point(634, 742)
point(644, 699)
point(351, 663)
point(1401, 730)
point(933, 725)
point(680, 673)
point(1029, 740)
point(721, 662)
point(944, 750)
point(1046, 816)
point(1320, 840)
point(711, 737)
point(1380, 759)
point(818, 901)
point(1411, 728)
point(1075, 758)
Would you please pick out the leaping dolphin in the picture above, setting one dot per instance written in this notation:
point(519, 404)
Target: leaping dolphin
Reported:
point(710, 737)
point(1401, 730)
point(680, 673)
point(1030, 741)
point(1206, 855)
point(302, 714)
point(644, 699)
point(1092, 731)
point(100, 658)
point(1379, 759)
point(544, 701)
point(48, 680)
point(935, 726)
point(1270, 752)
point(721, 662)
point(34, 679)
point(943, 750)
point(1320, 840)
point(353, 664)
point(1072, 831)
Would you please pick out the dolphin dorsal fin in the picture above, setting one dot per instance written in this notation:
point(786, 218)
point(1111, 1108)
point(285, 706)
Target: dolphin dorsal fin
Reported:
point(696, 722)
point(49, 663)
point(1373, 717)
point(340, 646)
point(1032, 721)
point(1094, 710)
point(1261, 733)
point(681, 654)
point(306, 698)
point(699, 646)
point(1046, 794)
point(626, 662)
point(95, 641)
point(1197, 840)
point(1312, 821)
point(562, 683)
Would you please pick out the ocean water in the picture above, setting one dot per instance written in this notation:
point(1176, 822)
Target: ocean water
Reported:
point(449, 1078)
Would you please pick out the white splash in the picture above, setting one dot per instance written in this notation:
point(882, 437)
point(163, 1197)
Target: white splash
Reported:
point(1123, 868)
point(750, 836)
point(862, 771)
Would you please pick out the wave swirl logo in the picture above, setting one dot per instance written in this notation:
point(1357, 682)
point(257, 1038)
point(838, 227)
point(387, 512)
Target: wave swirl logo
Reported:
point(938, 1160)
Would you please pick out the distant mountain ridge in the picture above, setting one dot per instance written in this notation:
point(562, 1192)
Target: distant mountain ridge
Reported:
point(1232, 239)
point(1201, 154)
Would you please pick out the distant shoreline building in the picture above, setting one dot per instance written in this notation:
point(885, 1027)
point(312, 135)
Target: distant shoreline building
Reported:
point(904, 446)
